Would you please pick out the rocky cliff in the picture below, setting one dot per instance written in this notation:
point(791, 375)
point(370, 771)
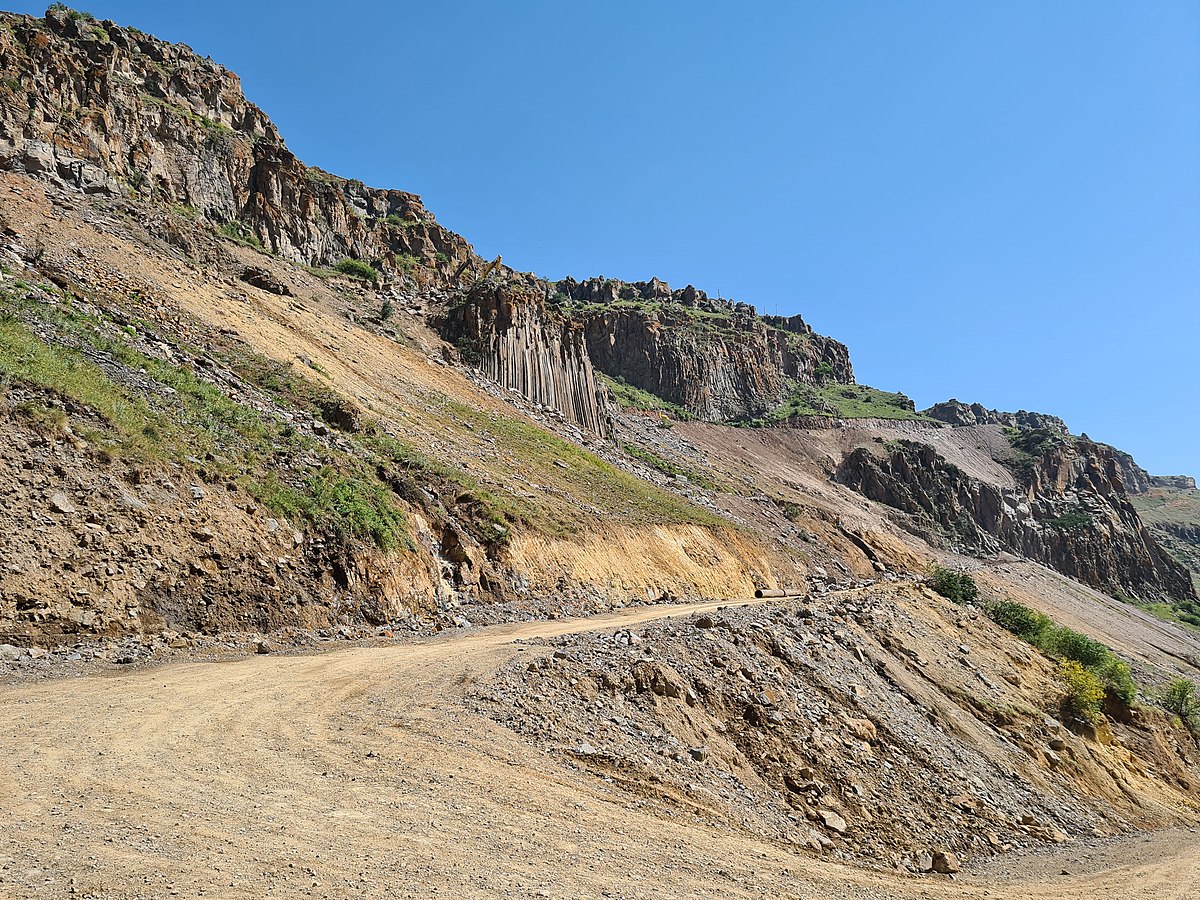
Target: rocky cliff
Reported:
point(114, 112)
point(954, 412)
point(1069, 510)
point(717, 359)
point(502, 327)
point(157, 135)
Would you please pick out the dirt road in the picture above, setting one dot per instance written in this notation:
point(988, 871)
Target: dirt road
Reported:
point(361, 773)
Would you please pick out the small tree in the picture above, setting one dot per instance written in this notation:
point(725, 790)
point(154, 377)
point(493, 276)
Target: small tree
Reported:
point(1180, 697)
point(385, 311)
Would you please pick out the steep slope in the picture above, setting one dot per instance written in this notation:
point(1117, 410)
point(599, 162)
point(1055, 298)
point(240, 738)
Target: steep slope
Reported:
point(1067, 509)
point(247, 403)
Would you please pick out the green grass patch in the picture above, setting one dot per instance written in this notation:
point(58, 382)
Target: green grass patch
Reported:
point(349, 505)
point(574, 475)
point(194, 421)
point(840, 401)
point(398, 222)
point(667, 467)
point(1183, 612)
point(630, 397)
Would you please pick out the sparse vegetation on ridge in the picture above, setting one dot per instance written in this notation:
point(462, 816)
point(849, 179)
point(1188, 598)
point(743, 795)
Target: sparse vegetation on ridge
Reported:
point(669, 468)
point(630, 397)
point(840, 401)
point(192, 422)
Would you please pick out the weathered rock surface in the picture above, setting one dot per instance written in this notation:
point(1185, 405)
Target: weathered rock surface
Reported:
point(1069, 511)
point(504, 329)
point(115, 112)
point(953, 764)
point(717, 359)
point(955, 412)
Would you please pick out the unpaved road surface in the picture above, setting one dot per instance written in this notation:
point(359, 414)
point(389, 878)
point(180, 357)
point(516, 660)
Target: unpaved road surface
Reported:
point(361, 773)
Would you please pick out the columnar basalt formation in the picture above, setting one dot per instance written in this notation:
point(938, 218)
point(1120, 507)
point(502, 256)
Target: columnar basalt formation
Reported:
point(504, 329)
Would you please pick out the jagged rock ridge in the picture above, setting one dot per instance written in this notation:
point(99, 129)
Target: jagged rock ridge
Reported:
point(717, 359)
point(1069, 511)
point(113, 111)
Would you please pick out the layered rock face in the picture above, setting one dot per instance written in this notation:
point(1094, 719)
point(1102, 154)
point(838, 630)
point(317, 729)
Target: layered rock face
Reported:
point(717, 359)
point(954, 412)
point(1070, 512)
point(504, 329)
point(1173, 482)
point(115, 112)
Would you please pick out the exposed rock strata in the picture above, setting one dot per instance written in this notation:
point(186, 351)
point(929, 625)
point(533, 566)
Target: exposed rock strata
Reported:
point(115, 112)
point(503, 328)
point(717, 359)
point(955, 412)
point(1070, 513)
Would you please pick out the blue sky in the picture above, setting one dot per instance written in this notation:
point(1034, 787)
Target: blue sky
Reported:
point(997, 201)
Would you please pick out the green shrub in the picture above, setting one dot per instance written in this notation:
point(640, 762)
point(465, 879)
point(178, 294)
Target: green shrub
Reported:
point(1018, 618)
point(356, 268)
point(1067, 643)
point(1181, 698)
point(1118, 680)
point(386, 310)
point(1084, 692)
point(957, 587)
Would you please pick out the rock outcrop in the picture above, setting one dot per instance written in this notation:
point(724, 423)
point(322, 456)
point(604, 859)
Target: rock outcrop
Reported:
point(503, 328)
point(1069, 512)
point(957, 413)
point(1173, 482)
point(112, 111)
point(717, 359)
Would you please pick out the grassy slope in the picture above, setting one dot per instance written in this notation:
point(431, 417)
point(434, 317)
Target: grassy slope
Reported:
point(842, 401)
point(501, 471)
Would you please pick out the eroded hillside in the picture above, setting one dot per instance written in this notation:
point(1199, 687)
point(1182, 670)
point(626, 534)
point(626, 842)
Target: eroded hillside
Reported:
point(247, 403)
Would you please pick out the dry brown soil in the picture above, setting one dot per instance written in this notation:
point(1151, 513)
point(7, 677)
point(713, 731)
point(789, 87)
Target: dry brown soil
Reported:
point(361, 773)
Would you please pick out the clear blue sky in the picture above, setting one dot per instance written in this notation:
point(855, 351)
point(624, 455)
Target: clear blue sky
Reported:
point(998, 201)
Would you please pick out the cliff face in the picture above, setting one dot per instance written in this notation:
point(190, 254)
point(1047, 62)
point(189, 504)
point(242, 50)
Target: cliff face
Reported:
point(1070, 512)
point(718, 360)
point(503, 329)
point(112, 111)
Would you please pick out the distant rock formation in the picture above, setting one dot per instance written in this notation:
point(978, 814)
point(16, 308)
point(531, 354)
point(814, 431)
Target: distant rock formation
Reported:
point(1173, 482)
point(955, 412)
point(1070, 512)
point(717, 359)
